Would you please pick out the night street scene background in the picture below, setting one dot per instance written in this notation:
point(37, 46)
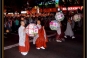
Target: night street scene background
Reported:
point(30, 11)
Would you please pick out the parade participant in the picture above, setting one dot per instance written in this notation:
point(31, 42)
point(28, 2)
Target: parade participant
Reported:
point(58, 36)
point(69, 31)
point(23, 40)
point(41, 37)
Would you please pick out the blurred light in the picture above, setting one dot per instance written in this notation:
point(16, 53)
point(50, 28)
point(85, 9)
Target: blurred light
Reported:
point(35, 7)
point(4, 13)
point(53, 0)
point(73, 8)
point(63, 0)
point(23, 12)
point(38, 10)
point(16, 13)
point(76, 8)
point(69, 9)
point(58, 9)
point(40, 3)
point(81, 6)
point(57, 1)
point(27, 3)
point(64, 8)
point(10, 13)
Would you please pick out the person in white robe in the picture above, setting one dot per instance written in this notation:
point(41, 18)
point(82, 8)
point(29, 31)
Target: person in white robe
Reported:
point(23, 39)
point(69, 31)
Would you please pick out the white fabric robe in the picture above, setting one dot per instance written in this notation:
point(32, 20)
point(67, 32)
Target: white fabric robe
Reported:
point(21, 36)
point(69, 31)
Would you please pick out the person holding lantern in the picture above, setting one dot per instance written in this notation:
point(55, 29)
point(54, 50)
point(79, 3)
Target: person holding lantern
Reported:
point(68, 31)
point(58, 36)
point(59, 17)
point(23, 40)
point(41, 38)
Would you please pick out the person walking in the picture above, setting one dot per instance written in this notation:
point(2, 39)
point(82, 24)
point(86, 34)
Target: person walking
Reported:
point(68, 31)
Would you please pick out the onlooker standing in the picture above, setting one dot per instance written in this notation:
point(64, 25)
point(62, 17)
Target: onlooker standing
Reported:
point(16, 24)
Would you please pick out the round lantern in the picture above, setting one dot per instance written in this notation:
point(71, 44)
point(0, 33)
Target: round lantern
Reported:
point(77, 17)
point(59, 16)
point(32, 29)
point(54, 25)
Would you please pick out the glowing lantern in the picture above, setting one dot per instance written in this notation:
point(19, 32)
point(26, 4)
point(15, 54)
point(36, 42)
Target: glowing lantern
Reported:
point(54, 25)
point(77, 17)
point(32, 29)
point(59, 16)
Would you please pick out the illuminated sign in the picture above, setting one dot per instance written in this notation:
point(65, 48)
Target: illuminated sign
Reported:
point(71, 8)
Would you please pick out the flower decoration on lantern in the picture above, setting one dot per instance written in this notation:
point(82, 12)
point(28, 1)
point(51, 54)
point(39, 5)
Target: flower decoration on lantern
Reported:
point(77, 17)
point(32, 30)
point(54, 25)
point(59, 16)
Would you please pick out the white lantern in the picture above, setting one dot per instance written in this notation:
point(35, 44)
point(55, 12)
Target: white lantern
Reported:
point(54, 25)
point(59, 16)
point(32, 29)
point(77, 17)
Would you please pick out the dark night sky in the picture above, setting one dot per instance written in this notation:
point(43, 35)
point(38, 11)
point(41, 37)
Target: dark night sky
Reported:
point(21, 2)
point(15, 2)
point(18, 4)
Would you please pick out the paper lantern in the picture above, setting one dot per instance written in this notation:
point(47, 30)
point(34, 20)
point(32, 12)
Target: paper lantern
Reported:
point(77, 17)
point(54, 25)
point(59, 16)
point(32, 29)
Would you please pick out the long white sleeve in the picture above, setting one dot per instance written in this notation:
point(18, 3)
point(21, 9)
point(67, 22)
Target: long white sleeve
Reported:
point(21, 36)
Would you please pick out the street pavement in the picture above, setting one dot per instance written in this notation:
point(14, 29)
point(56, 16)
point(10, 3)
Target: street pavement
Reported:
point(70, 48)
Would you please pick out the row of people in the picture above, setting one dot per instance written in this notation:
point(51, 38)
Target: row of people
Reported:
point(41, 38)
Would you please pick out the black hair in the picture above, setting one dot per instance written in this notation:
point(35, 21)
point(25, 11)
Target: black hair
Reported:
point(41, 22)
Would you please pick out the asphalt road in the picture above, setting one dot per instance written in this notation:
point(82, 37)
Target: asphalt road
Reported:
point(70, 48)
